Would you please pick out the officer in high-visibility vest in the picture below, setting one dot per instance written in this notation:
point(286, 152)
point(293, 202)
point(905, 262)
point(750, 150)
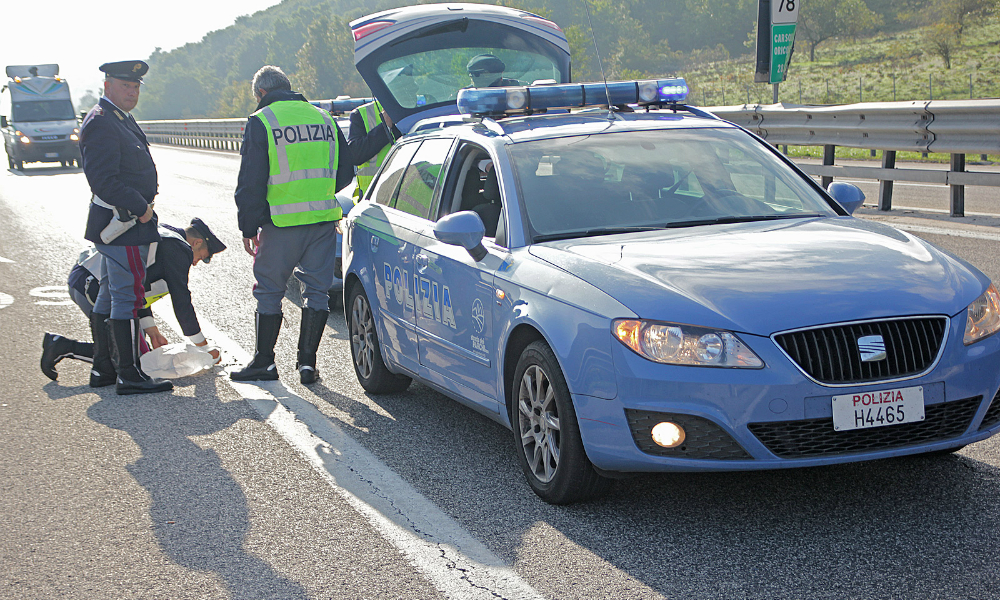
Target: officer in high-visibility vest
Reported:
point(370, 116)
point(295, 159)
point(364, 119)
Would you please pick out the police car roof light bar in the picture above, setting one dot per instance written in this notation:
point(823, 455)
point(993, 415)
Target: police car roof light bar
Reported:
point(530, 99)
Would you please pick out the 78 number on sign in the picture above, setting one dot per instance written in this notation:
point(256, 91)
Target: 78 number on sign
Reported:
point(784, 11)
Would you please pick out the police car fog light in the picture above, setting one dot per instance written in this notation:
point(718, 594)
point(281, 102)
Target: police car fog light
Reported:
point(668, 435)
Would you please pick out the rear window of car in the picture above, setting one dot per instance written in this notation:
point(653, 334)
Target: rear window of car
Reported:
point(657, 179)
point(434, 76)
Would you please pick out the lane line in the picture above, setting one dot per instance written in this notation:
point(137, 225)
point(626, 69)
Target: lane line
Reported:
point(456, 563)
point(993, 237)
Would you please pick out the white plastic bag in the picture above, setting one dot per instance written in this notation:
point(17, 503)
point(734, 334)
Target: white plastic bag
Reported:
point(176, 360)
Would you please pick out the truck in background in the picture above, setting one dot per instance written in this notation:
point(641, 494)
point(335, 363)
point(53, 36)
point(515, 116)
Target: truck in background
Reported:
point(37, 117)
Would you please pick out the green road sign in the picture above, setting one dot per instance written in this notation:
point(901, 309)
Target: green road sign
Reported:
point(782, 39)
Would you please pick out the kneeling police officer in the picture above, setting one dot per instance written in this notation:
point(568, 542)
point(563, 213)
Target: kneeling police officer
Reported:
point(167, 267)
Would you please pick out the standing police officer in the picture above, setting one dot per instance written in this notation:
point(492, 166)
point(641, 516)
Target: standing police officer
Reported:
point(295, 159)
point(122, 177)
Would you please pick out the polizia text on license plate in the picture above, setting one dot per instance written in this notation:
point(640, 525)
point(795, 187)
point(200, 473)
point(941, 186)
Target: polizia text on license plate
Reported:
point(878, 408)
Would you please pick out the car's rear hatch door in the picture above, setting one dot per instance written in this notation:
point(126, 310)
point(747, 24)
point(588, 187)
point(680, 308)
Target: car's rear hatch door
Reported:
point(414, 59)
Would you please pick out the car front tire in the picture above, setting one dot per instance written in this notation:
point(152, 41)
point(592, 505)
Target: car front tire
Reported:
point(366, 351)
point(547, 434)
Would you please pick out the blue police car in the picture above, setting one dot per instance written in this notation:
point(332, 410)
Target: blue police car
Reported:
point(648, 288)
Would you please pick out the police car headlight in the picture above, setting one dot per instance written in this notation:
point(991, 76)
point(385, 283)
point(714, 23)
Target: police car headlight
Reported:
point(984, 316)
point(74, 137)
point(25, 139)
point(676, 344)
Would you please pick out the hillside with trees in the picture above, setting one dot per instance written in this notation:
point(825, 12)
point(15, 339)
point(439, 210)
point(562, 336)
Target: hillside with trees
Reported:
point(708, 41)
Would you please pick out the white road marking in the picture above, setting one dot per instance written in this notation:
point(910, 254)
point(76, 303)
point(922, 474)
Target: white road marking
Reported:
point(5, 260)
point(5, 300)
point(58, 294)
point(454, 561)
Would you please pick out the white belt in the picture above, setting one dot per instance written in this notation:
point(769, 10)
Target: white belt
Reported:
point(101, 203)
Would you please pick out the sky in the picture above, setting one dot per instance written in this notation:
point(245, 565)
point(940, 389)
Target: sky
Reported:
point(81, 36)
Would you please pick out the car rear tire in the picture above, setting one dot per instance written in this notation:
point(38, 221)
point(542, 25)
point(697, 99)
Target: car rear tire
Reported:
point(547, 434)
point(366, 351)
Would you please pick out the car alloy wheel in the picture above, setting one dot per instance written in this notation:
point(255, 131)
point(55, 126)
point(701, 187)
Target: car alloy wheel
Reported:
point(546, 431)
point(538, 419)
point(372, 373)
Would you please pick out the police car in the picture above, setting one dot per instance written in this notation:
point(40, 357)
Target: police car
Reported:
point(647, 288)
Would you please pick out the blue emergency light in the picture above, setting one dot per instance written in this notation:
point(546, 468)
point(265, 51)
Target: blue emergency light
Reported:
point(525, 100)
point(340, 106)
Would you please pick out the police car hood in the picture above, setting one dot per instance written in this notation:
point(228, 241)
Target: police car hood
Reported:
point(761, 278)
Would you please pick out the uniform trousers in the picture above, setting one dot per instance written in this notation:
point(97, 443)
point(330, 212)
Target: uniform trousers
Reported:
point(122, 281)
point(82, 301)
point(309, 250)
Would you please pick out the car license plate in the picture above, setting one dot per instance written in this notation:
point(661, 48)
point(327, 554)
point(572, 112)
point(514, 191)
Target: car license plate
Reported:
point(51, 154)
point(878, 409)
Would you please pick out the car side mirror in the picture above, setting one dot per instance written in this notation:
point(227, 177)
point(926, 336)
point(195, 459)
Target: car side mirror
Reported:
point(464, 229)
point(847, 195)
point(3, 122)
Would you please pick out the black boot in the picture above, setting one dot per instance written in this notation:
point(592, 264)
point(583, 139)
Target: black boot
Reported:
point(262, 367)
point(56, 347)
point(103, 371)
point(126, 336)
point(310, 335)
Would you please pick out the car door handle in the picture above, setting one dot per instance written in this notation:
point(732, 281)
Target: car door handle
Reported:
point(421, 261)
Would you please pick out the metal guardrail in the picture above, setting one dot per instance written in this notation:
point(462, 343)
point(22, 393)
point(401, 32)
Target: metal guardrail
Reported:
point(212, 134)
point(954, 127)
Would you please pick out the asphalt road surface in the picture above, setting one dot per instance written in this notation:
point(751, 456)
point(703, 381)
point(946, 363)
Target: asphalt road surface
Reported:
point(278, 491)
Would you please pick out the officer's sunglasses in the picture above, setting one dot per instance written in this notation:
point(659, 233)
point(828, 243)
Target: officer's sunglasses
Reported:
point(479, 72)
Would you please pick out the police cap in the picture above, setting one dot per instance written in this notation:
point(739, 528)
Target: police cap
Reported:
point(485, 63)
point(127, 70)
point(214, 243)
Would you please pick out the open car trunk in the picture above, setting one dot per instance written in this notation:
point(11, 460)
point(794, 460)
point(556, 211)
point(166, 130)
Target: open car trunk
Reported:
point(414, 59)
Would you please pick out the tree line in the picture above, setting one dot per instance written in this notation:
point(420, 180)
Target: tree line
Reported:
point(311, 41)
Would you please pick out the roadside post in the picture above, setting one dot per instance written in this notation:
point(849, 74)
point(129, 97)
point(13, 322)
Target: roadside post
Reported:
point(776, 21)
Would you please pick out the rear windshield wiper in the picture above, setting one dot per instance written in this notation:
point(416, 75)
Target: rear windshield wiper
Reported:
point(744, 219)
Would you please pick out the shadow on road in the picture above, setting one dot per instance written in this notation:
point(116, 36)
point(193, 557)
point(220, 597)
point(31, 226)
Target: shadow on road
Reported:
point(199, 513)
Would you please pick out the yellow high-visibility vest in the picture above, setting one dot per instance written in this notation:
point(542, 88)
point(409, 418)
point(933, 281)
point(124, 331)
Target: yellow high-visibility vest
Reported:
point(303, 153)
point(371, 114)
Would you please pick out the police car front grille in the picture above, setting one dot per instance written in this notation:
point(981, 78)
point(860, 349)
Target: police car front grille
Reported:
point(812, 438)
point(703, 439)
point(831, 355)
point(992, 416)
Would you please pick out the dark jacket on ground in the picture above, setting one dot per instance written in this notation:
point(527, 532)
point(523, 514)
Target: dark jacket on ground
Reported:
point(251, 185)
point(120, 171)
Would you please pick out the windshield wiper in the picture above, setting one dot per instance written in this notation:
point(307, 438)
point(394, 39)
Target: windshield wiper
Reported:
point(594, 232)
point(743, 219)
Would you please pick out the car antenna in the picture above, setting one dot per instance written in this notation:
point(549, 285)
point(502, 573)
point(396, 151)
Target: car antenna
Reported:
point(607, 92)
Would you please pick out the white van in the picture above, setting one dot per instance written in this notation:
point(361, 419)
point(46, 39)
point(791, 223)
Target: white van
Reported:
point(37, 117)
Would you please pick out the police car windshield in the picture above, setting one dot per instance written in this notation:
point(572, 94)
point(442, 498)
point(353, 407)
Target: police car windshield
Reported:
point(605, 183)
point(42, 110)
point(434, 76)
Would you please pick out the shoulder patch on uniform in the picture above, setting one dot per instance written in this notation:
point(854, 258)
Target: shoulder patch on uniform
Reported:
point(99, 110)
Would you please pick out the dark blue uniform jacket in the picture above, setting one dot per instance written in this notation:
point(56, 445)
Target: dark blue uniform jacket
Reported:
point(120, 171)
point(251, 186)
